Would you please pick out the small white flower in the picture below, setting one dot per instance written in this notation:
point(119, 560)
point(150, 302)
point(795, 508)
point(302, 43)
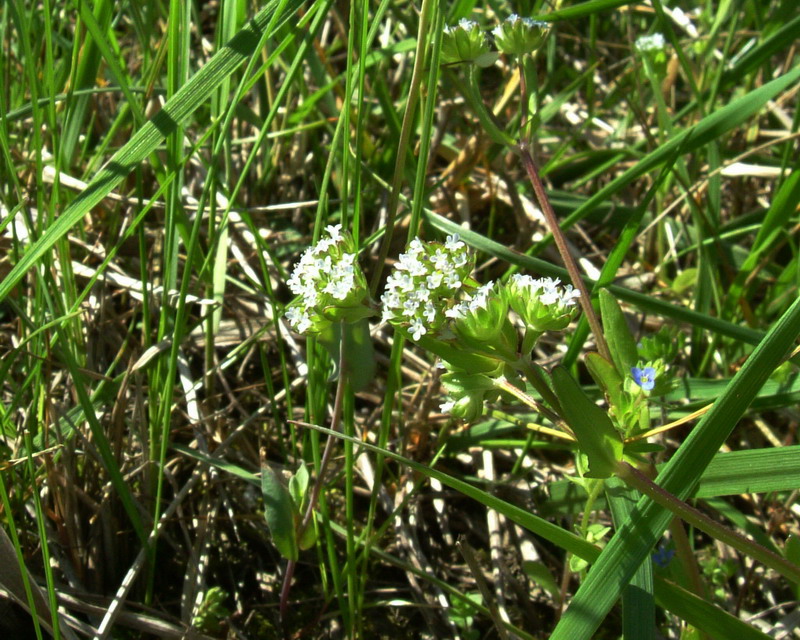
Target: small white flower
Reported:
point(300, 320)
point(334, 231)
point(457, 311)
point(447, 407)
point(410, 307)
point(452, 280)
point(453, 243)
point(570, 295)
point(434, 280)
point(417, 329)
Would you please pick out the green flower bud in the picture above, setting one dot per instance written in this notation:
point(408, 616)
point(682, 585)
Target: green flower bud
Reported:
point(468, 392)
point(664, 345)
point(518, 36)
point(541, 303)
point(482, 323)
point(465, 42)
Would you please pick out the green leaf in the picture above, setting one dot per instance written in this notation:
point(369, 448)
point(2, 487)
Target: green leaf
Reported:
point(606, 376)
point(280, 513)
point(596, 435)
point(618, 335)
point(298, 485)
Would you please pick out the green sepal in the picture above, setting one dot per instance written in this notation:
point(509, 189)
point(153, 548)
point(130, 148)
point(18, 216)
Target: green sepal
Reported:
point(597, 438)
point(280, 513)
point(349, 314)
point(605, 374)
point(618, 335)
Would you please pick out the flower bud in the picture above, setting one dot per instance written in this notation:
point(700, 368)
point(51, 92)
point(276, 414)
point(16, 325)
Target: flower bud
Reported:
point(468, 392)
point(465, 42)
point(541, 303)
point(482, 323)
point(518, 36)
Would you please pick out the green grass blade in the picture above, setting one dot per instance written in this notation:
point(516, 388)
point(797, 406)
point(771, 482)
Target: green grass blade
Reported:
point(631, 544)
point(187, 100)
point(708, 129)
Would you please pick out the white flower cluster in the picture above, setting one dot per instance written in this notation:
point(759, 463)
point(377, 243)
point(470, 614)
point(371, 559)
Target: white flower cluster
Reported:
point(466, 25)
point(513, 18)
point(424, 284)
point(547, 290)
point(654, 42)
point(325, 275)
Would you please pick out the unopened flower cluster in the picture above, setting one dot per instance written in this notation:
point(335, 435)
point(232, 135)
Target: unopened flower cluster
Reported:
point(466, 42)
point(542, 303)
point(424, 288)
point(327, 277)
point(518, 36)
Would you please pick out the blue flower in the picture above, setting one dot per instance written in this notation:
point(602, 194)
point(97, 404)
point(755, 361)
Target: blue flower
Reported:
point(662, 556)
point(645, 377)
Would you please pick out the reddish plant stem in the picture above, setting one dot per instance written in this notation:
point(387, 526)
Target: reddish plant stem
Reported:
point(635, 478)
point(561, 243)
point(552, 221)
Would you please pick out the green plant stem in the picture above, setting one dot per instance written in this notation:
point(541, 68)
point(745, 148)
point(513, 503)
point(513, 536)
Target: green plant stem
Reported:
point(536, 380)
point(318, 483)
point(405, 133)
point(504, 385)
point(638, 480)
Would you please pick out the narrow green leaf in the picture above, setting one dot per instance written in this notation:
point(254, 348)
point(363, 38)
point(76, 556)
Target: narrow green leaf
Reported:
point(709, 128)
point(638, 604)
point(783, 208)
point(606, 376)
point(618, 335)
point(280, 513)
point(597, 437)
point(703, 615)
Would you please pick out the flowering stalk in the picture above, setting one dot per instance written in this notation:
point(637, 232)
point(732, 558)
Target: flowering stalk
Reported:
point(561, 243)
point(541, 196)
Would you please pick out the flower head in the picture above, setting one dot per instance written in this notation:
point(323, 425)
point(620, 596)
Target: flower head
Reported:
point(424, 287)
point(542, 303)
point(651, 42)
point(645, 377)
point(519, 36)
point(326, 277)
point(465, 42)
